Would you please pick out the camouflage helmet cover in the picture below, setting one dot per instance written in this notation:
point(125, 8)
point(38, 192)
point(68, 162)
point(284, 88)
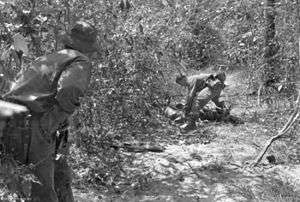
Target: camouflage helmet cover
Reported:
point(221, 76)
point(82, 37)
point(179, 77)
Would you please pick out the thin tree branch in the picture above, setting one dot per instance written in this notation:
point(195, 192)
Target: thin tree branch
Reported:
point(67, 6)
point(280, 133)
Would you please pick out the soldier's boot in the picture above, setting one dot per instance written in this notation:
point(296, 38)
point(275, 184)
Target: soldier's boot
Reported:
point(179, 120)
point(188, 126)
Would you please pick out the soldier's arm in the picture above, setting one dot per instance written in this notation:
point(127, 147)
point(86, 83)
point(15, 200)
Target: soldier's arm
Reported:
point(73, 84)
point(217, 90)
point(190, 99)
point(218, 103)
point(196, 87)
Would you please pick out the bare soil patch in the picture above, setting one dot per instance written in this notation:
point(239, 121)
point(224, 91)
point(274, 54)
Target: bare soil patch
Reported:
point(208, 164)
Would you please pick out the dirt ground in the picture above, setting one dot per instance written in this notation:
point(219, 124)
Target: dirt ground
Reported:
point(209, 164)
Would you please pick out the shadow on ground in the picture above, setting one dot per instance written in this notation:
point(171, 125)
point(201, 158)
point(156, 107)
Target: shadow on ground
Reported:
point(206, 164)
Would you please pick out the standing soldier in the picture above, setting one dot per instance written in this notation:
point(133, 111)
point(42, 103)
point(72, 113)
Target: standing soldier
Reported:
point(51, 88)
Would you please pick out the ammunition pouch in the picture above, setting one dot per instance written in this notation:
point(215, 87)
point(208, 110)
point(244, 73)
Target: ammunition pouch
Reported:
point(15, 131)
point(16, 117)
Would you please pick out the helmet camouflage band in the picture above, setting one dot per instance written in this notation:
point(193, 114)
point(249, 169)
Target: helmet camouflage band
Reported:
point(82, 37)
point(221, 76)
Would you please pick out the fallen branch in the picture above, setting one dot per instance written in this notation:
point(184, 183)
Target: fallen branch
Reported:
point(284, 130)
point(138, 148)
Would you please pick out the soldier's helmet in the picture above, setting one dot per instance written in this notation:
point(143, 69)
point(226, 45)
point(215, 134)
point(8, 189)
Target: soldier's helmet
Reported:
point(82, 37)
point(179, 78)
point(221, 77)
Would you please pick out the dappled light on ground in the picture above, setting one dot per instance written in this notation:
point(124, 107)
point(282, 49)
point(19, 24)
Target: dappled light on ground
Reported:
point(209, 164)
point(205, 171)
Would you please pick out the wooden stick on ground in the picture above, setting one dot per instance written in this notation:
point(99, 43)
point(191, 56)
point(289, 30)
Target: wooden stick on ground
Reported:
point(280, 133)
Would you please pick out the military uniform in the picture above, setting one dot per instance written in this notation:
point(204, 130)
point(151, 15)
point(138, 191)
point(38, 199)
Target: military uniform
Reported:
point(201, 89)
point(211, 93)
point(194, 84)
point(64, 76)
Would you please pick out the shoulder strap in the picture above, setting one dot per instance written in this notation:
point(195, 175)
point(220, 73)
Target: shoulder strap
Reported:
point(59, 73)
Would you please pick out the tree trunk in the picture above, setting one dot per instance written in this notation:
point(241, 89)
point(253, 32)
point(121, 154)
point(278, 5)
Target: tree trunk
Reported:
point(270, 74)
point(297, 73)
point(271, 47)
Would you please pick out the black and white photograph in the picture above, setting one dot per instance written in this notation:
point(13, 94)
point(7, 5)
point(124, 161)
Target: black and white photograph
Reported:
point(149, 100)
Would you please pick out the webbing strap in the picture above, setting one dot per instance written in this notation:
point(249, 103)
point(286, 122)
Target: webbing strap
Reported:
point(26, 133)
point(54, 84)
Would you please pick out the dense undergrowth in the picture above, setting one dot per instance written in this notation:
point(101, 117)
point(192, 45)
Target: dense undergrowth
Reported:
point(143, 47)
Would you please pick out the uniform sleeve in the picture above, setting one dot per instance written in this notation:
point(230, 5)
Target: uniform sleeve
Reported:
point(73, 84)
point(218, 103)
point(197, 86)
point(218, 87)
point(190, 99)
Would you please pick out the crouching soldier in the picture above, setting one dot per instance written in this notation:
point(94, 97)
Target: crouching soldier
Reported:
point(194, 84)
point(51, 89)
point(203, 88)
